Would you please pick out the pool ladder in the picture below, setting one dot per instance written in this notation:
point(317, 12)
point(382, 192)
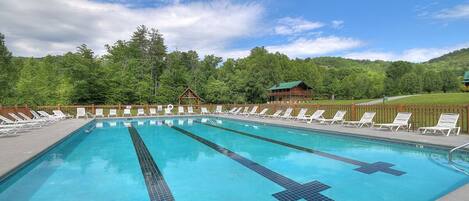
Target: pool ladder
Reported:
point(450, 154)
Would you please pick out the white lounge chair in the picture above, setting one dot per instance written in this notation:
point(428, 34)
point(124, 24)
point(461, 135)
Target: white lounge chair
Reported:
point(232, 110)
point(8, 123)
point(19, 120)
point(219, 109)
point(167, 111)
point(338, 118)
point(35, 114)
point(127, 112)
point(181, 110)
point(112, 113)
point(302, 114)
point(81, 112)
point(245, 111)
point(44, 120)
point(276, 114)
point(316, 116)
point(237, 111)
point(400, 121)
point(446, 124)
point(190, 110)
point(263, 112)
point(61, 115)
point(99, 112)
point(8, 131)
point(159, 108)
point(44, 114)
point(153, 112)
point(366, 120)
point(203, 110)
point(253, 110)
point(287, 114)
point(140, 112)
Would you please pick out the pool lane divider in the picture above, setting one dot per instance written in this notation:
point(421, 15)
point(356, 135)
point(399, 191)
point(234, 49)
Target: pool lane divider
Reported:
point(157, 187)
point(294, 191)
point(367, 168)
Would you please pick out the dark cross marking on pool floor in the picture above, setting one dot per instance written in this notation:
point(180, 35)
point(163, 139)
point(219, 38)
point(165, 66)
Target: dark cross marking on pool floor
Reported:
point(294, 190)
point(156, 185)
point(367, 168)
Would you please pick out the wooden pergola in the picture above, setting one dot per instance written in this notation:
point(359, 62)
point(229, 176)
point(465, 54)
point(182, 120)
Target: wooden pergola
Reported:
point(190, 96)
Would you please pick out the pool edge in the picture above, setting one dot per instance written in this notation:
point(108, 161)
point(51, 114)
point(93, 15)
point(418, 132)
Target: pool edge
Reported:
point(34, 157)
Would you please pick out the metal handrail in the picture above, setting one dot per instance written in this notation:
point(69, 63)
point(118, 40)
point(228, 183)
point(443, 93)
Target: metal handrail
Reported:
point(450, 154)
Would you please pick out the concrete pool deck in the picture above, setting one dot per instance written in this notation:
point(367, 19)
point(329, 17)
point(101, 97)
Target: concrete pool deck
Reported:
point(401, 135)
point(15, 150)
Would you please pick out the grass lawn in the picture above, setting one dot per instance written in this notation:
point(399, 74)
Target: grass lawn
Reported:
point(339, 102)
point(437, 98)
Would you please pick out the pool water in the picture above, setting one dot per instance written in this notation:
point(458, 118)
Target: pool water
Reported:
point(207, 158)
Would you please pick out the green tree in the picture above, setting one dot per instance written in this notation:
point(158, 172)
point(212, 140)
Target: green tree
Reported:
point(85, 75)
point(432, 81)
point(449, 80)
point(8, 73)
point(217, 92)
point(410, 83)
point(394, 73)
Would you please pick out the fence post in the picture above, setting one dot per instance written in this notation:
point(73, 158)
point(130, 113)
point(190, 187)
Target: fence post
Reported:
point(400, 108)
point(92, 108)
point(58, 106)
point(353, 112)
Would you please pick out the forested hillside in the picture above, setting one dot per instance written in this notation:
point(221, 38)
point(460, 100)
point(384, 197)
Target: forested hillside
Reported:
point(141, 70)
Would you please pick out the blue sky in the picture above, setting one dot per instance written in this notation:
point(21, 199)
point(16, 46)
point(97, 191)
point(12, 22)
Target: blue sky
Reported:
point(363, 29)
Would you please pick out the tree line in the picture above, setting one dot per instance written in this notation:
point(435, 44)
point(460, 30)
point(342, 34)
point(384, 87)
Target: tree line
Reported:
point(141, 70)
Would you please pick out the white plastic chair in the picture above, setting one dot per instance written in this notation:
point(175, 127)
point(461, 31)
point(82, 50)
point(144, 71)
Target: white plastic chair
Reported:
point(181, 110)
point(338, 118)
point(99, 112)
point(127, 112)
point(367, 119)
point(81, 112)
point(400, 121)
point(140, 112)
point(446, 124)
point(287, 114)
point(153, 112)
point(112, 113)
point(253, 110)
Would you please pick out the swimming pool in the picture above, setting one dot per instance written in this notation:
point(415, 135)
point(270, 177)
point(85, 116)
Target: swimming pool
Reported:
point(207, 158)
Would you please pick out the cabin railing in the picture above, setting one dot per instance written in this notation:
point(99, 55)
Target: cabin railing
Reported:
point(422, 115)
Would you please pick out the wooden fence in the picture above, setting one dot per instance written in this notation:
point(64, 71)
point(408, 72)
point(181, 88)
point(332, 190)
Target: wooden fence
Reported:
point(422, 115)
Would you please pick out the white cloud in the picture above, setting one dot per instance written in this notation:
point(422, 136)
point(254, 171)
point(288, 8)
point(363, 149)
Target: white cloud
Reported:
point(303, 47)
point(40, 27)
point(337, 24)
point(457, 12)
point(371, 55)
point(412, 55)
point(233, 53)
point(289, 26)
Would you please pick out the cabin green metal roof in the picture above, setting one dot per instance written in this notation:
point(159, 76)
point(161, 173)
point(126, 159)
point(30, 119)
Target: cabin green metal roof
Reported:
point(286, 85)
point(466, 76)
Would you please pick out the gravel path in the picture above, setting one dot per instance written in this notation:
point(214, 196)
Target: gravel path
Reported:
point(378, 101)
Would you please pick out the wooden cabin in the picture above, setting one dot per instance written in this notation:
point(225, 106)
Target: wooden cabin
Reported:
point(290, 91)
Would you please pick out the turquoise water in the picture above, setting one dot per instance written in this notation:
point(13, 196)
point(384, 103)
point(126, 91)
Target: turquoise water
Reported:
point(104, 165)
